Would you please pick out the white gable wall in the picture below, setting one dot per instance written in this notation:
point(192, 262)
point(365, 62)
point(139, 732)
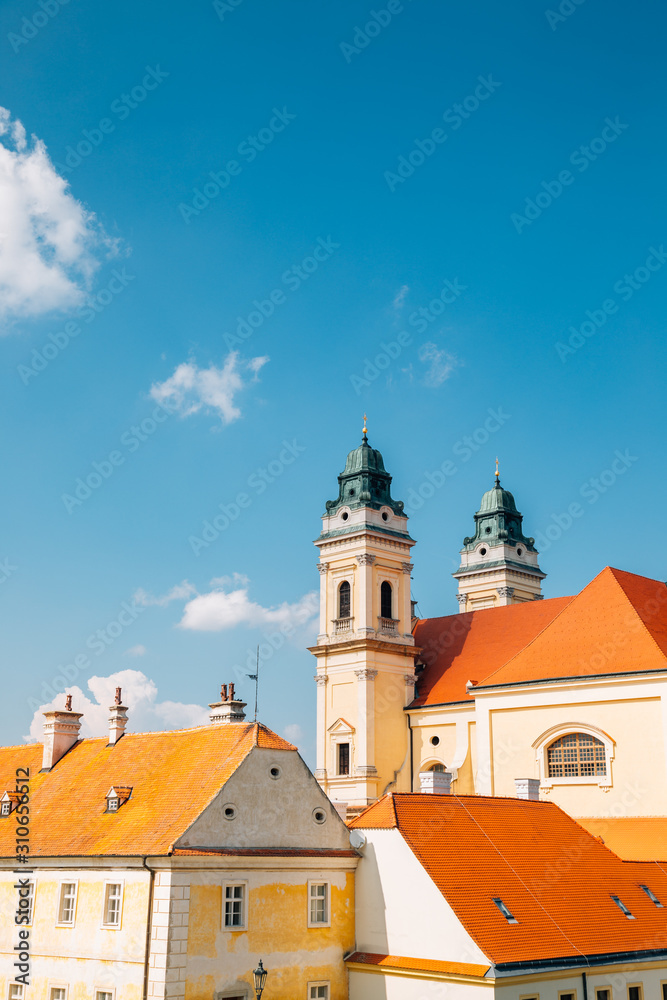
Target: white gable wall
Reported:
point(399, 910)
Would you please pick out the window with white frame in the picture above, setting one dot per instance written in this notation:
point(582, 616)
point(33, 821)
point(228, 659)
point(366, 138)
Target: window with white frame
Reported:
point(103, 995)
point(58, 993)
point(27, 894)
point(235, 905)
point(113, 898)
point(5, 810)
point(318, 991)
point(16, 991)
point(66, 906)
point(573, 754)
point(318, 908)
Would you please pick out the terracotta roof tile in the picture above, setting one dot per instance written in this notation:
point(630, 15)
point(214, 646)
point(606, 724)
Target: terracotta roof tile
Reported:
point(554, 877)
point(173, 776)
point(617, 624)
point(417, 964)
point(470, 646)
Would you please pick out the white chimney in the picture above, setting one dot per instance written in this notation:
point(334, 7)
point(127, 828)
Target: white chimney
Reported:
point(117, 720)
point(228, 709)
point(528, 788)
point(435, 782)
point(61, 731)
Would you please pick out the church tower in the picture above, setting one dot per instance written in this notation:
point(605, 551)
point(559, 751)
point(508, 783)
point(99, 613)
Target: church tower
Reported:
point(365, 649)
point(498, 563)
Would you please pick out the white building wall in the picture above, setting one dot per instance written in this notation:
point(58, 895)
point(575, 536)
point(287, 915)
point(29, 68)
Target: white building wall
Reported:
point(399, 911)
point(374, 986)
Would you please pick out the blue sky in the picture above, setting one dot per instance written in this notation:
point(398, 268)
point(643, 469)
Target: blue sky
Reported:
point(447, 215)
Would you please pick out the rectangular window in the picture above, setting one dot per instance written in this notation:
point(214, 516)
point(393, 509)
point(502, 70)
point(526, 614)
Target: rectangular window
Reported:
point(343, 758)
point(6, 809)
point(103, 995)
point(113, 896)
point(603, 994)
point(16, 991)
point(234, 906)
point(635, 992)
point(664, 991)
point(319, 903)
point(318, 991)
point(58, 993)
point(67, 905)
point(567, 996)
point(31, 903)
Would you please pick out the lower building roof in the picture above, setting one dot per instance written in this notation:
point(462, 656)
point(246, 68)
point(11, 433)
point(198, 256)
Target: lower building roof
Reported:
point(557, 882)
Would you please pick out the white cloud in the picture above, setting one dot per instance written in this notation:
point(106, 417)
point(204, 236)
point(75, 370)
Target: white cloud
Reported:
point(49, 243)
point(136, 651)
point(293, 733)
point(190, 388)
point(441, 364)
point(222, 609)
point(139, 693)
point(180, 592)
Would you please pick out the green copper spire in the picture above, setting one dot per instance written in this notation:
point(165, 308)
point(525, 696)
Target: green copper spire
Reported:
point(498, 522)
point(364, 482)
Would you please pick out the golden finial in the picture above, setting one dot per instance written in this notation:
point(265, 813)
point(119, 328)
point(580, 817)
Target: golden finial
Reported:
point(365, 430)
point(497, 473)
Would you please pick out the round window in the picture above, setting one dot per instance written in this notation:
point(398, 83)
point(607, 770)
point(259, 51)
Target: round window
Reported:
point(435, 740)
point(319, 816)
point(385, 515)
point(482, 552)
point(275, 772)
point(519, 552)
point(229, 811)
point(344, 516)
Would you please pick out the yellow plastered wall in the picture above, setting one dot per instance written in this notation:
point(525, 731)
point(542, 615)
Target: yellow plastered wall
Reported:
point(86, 956)
point(277, 932)
point(639, 778)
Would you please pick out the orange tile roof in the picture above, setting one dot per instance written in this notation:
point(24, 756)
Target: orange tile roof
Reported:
point(617, 624)
point(470, 646)
point(417, 964)
point(555, 878)
point(633, 838)
point(173, 776)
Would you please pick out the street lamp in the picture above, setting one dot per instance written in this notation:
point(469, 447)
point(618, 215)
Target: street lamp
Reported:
point(260, 975)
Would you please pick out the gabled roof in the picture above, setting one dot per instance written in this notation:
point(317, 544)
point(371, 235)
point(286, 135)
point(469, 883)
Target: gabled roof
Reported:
point(173, 776)
point(555, 878)
point(423, 965)
point(616, 625)
point(470, 646)
point(633, 838)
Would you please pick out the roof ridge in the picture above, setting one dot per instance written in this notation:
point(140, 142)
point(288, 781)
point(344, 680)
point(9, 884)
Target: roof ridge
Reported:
point(613, 571)
point(479, 611)
point(535, 637)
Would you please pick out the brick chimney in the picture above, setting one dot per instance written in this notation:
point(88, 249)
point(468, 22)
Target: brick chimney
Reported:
point(228, 709)
point(527, 788)
point(117, 719)
point(61, 731)
point(435, 782)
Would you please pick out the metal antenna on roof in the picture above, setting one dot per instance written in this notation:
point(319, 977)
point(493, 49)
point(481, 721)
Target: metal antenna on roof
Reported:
point(255, 677)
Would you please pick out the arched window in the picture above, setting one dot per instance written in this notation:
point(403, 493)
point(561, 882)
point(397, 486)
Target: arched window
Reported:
point(344, 600)
point(576, 755)
point(385, 600)
point(438, 767)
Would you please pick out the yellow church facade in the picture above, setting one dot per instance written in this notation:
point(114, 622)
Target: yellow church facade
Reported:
point(563, 699)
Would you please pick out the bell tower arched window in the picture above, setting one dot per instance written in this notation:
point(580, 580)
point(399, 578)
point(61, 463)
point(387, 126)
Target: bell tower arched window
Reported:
point(344, 605)
point(386, 600)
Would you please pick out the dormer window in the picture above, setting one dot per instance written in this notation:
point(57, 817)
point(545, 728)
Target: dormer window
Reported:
point(116, 797)
point(8, 802)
